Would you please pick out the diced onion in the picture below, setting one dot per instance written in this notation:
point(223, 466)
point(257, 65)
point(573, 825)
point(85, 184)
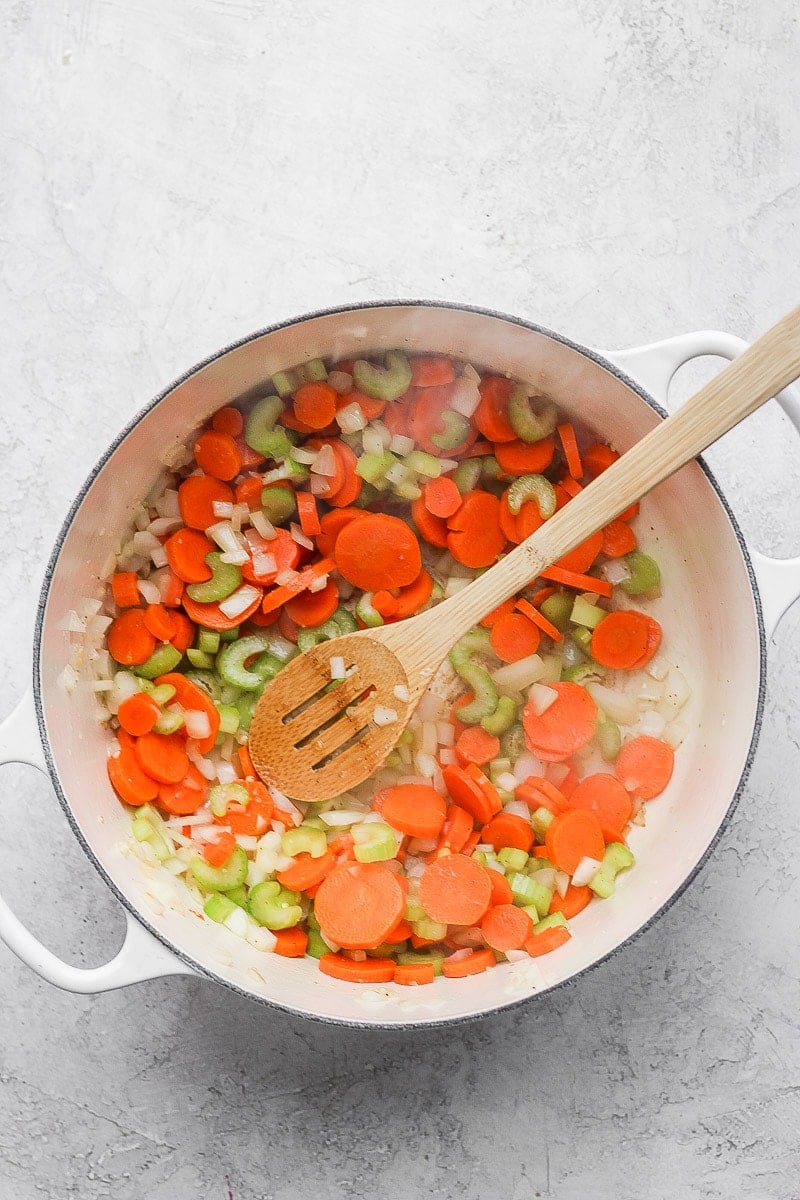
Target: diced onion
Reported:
point(260, 938)
point(401, 444)
point(515, 677)
point(341, 382)
point(337, 818)
point(585, 871)
point(299, 537)
point(445, 733)
point(376, 439)
point(425, 764)
point(306, 457)
point(222, 533)
point(507, 782)
point(222, 509)
point(319, 584)
point(232, 606)
point(226, 773)
point(562, 883)
point(448, 757)
point(351, 419)
point(197, 723)
point(465, 396)
point(400, 692)
point(615, 704)
point(238, 922)
point(429, 738)
point(381, 715)
point(164, 525)
point(150, 593)
point(68, 679)
point(517, 808)
point(541, 697)
point(287, 576)
point(616, 570)
point(262, 525)
point(527, 765)
point(337, 667)
point(324, 462)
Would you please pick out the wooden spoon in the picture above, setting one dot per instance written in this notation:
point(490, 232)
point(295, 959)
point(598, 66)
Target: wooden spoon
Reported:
point(314, 743)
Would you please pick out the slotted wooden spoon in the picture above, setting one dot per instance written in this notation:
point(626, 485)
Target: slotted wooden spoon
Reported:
point(314, 743)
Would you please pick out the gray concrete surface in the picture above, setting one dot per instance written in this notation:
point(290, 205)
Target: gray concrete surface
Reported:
point(176, 175)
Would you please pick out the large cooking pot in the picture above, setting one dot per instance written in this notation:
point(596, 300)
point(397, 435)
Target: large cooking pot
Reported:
point(710, 604)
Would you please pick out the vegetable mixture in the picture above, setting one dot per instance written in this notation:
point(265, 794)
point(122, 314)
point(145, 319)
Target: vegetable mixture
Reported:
point(354, 494)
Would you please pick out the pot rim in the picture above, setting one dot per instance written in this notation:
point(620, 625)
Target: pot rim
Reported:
point(50, 574)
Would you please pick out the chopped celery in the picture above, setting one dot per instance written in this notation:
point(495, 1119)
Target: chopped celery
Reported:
point(532, 487)
point(373, 467)
point(608, 736)
point(220, 879)
point(583, 672)
point(531, 911)
point(383, 383)
point(529, 891)
point(512, 742)
point(455, 430)
point(304, 839)
point(540, 820)
point(316, 946)
point(528, 425)
point(229, 635)
point(616, 858)
point(218, 907)
point(467, 474)
point(162, 694)
point(583, 637)
point(273, 906)
point(228, 718)
point(277, 445)
point(513, 859)
point(163, 660)
point(373, 842)
point(411, 958)
point(368, 495)
point(314, 370)
point(286, 382)
point(278, 503)
point(423, 464)
point(434, 931)
point(238, 895)
point(225, 579)
point(223, 794)
point(369, 615)
point(260, 427)
point(503, 717)
point(340, 623)
point(414, 910)
point(245, 707)
point(549, 922)
point(645, 575)
point(315, 823)
point(207, 640)
point(584, 613)
point(498, 766)
point(557, 609)
point(199, 659)
point(208, 682)
point(170, 721)
point(231, 660)
point(475, 676)
point(490, 468)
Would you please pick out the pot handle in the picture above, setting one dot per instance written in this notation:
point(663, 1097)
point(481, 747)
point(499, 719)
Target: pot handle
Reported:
point(653, 367)
point(140, 957)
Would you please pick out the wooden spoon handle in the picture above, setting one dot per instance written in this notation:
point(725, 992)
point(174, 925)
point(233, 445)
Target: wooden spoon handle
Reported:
point(764, 369)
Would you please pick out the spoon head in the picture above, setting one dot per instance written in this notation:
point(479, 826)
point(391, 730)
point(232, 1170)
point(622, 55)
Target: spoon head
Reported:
point(314, 737)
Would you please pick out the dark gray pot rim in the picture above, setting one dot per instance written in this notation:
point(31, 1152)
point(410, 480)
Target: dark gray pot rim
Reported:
point(49, 576)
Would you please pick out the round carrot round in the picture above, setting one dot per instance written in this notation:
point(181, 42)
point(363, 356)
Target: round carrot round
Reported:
point(549, 939)
point(432, 372)
point(490, 415)
point(193, 698)
point(618, 539)
point(197, 496)
point(413, 808)
point(572, 902)
point(185, 797)
point(455, 890)
point(211, 616)
point(605, 796)
point(129, 780)
point(473, 791)
point(475, 537)
point(506, 927)
point(572, 836)
point(129, 640)
point(138, 714)
point(583, 555)
point(442, 497)
point(315, 404)
point(370, 970)
point(332, 524)
point(290, 943)
point(477, 746)
point(378, 552)
point(625, 640)
point(186, 551)
point(508, 830)
point(162, 756)
point(350, 484)
point(311, 609)
point(433, 529)
point(358, 904)
point(473, 964)
point(598, 458)
point(566, 726)
point(305, 872)
point(513, 637)
point(501, 889)
point(525, 458)
point(456, 830)
point(217, 454)
point(182, 631)
point(410, 974)
point(644, 766)
point(519, 526)
point(160, 622)
point(228, 420)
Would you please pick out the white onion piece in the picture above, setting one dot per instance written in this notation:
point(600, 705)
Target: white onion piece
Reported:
point(445, 733)
point(506, 782)
point(299, 537)
point(381, 715)
point(262, 525)
point(167, 504)
point(541, 697)
point(236, 558)
point(337, 667)
point(614, 704)
point(158, 556)
point(465, 396)
point(318, 585)
point(71, 623)
point(223, 534)
point(68, 679)
point(562, 883)
point(149, 591)
point(240, 600)
point(658, 667)
point(585, 871)
point(675, 733)
point(164, 525)
point(324, 462)
point(527, 765)
point(429, 738)
point(341, 382)
point(517, 808)
point(615, 570)
point(429, 708)
point(197, 724)
point(319, 485)
point(401, 444)
point(222, 509)
point(546, 877)
point(351, 419)
point(448, 757)
point(226, 773)
point(144, 542)
point(260, 938)
point(372, 441)
point(204, 765)
point(306, 457)
point(239, 922)
point(339, 818)
point(652, 724)
point(425, 764)
point(288, 576)
point(515, 677)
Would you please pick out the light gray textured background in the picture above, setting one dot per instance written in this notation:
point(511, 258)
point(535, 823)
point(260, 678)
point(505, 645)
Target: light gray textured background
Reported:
point(175, 175)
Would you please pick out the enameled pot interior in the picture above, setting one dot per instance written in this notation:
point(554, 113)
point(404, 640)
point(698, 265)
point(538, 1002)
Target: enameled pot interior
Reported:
point(707, 607)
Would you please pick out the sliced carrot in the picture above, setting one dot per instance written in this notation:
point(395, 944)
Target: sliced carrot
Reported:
point(432, 372)
point(186, 551)
point(573, 579)
point(525, 458)
point(401, 933)
point(433, 529)
point(315, 404)
point(290, 943)
point(519, 526)
point(539, 597)
point(477, 796)
point(193, 698)
point(129, 640)
point(455, 890)
point(582, 556)
point(572, 902)
point(456, 830)
point(128, 779)
point(281, 550)
point(474, 964)
point(370, 407)
point(605, 796)
point(249, 820)
point(279, 595)
point(475, 537)
point(248, 491)
point(549, 939)
point(124, 589)
point(331, 526)
point(185, 797)
point(644, 766)
point(211, 616)
point(378, 552)
point(625, 640)
point(305, 872)
point(182, 631)
point(358, 904)
point(160, 622)
point(502, 610)
point(513, 637)
point(538, 792)
point(349, 489)
point(427, 419)
point(312, 609)
point(501, 889)
point(397, 415)
point(228, 420)
point(197, 496)
point(414, 808)
point(566, 726)
point(370, 970)
point(251, 459)
point(162, 756)
point(570, 485)
point(598, 458)
point(569, 443)
point(533, 614)
point(218, 852)
point(246, 763)
point(475, 745)
point(506, 927)
point(491, 413)
point(408, 600)
point(618, 539)
point(572, 836)
point(287, 627)
point(508, 830)
point(217, 454)
point(307, 511)
point(138, 714)
point(173, 590)
point(442, 497)
point(413, 974)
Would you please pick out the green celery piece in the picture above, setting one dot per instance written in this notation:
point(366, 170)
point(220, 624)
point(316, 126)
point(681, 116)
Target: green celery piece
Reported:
point(163, 660)
point(645, 574)
point(532, 487)
point(220, 879)
point(273, 906)
point(528, 425)
point(278, 503)
point(225, 579)
point(260, 427)
point(383, 383)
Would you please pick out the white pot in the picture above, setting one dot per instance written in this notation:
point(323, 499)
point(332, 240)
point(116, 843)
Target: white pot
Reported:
point(710, 611)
